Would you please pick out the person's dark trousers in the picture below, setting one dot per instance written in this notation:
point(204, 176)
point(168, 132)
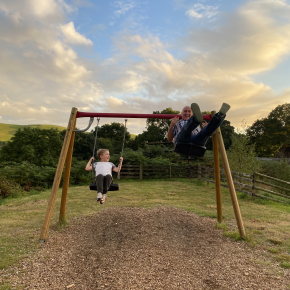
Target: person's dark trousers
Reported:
point(103, 183)
point(201, 138)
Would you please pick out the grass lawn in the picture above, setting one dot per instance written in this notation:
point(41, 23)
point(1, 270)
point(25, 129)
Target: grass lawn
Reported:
point(267, 223)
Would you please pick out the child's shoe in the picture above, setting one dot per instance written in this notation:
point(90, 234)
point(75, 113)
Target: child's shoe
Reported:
point(103, 199)
point(196, 112)
point(99, 196)
point(224, 109)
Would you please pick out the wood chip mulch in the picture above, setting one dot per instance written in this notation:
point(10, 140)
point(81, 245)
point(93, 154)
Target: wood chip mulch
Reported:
point(134, 248)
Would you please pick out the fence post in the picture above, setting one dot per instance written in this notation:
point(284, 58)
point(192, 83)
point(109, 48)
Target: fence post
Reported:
point(254, 190)
point(141, 172)
point(198, 172)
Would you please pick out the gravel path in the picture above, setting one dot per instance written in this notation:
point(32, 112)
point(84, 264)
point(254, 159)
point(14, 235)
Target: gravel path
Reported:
point(160, 248)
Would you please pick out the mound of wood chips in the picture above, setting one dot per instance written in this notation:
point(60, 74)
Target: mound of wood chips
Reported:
point(134, 248)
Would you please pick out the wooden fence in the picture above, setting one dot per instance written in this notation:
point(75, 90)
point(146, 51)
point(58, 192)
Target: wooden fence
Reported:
point(158, 171)
point(256, 184)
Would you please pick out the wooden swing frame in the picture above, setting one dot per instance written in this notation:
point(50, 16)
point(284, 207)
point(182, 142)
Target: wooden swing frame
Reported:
point(66, 159)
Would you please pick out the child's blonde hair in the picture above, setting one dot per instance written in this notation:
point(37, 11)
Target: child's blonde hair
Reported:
point(101, 152)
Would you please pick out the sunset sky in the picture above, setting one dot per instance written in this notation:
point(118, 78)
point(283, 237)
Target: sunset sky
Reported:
point(142, 56)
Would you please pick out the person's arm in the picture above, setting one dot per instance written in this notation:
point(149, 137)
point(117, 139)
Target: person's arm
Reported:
point(117, 169)
point(89, 166)
point(170, 130)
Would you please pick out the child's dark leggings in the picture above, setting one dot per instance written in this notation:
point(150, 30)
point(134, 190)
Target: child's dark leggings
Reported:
point(103, 183)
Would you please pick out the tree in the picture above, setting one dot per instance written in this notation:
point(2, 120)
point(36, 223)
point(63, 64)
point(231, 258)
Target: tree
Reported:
point(161, 124)
point(271, 135)
point(105, 143)
point(83, 145)
point(241, 155)
point(114, 132)
point(156, 130)
point(37, 146)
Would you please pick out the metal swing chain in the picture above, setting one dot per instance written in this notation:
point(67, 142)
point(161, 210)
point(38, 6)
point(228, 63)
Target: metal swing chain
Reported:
point(125, 130)
point(94, 150)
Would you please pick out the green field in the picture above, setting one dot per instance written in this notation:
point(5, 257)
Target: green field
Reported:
point(7, 131)
point(267, 223)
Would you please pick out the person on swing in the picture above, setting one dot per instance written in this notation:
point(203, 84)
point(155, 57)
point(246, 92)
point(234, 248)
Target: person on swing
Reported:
point(103, 171)
point(188, 129)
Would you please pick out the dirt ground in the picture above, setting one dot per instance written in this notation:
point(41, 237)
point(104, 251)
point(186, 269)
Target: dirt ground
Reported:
point(159, 248)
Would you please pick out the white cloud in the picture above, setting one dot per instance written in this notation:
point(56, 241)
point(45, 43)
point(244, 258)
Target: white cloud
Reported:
point(202, 11)
point(123, 7)
point(192, 13)
point(72, 36)
point(42, 77)
point(43, 8)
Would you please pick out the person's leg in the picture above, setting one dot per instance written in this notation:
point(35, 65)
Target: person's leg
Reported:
point(202, 137)
point(184, 135)
point(99, 183)
point(106, 185)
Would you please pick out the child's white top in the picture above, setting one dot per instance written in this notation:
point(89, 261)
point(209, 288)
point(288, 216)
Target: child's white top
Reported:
point(103, 168)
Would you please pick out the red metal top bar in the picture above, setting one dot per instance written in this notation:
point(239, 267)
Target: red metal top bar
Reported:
point(125, 115)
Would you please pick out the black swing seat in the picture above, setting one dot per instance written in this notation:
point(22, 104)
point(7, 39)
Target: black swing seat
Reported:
point(189, 149)
point(113, 187)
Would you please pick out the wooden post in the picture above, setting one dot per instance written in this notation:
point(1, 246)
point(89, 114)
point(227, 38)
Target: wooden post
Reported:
point(58, 175)
point(198, 172)
point(217, 175)
point(66, 177)
point(254, 190)
point(230, 182)
point(141, 172)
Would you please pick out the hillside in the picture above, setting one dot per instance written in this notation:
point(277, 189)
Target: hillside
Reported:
point(7, 131)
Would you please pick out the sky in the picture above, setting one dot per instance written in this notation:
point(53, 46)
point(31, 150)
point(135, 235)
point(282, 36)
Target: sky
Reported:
point(142, 56)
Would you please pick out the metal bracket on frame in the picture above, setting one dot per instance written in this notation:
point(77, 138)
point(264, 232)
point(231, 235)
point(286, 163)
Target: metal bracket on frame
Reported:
point(88, 127)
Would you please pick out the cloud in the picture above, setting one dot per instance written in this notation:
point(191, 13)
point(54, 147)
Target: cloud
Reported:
point(251, 40)
point(46, 10)
point(123, 7)
point(202, 11)
point(217, 68)
point(72, 36)
point(42, 76)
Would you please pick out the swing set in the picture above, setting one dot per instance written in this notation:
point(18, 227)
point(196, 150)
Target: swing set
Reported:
point(113, 186)
point(189, 150)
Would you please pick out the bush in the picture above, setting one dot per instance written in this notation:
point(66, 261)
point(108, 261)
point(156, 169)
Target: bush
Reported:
point(28, 175)
point(277, 169)
point(8, 188)
point(242, 156)
point(78, 175)
point(130, 157)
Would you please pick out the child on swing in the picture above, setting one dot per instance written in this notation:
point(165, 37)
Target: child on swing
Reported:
point(103, 171)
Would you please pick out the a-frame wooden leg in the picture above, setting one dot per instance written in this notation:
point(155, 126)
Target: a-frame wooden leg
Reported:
point(230, 182)
point(217, 175)
point(66, 177)
point(58, 175)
